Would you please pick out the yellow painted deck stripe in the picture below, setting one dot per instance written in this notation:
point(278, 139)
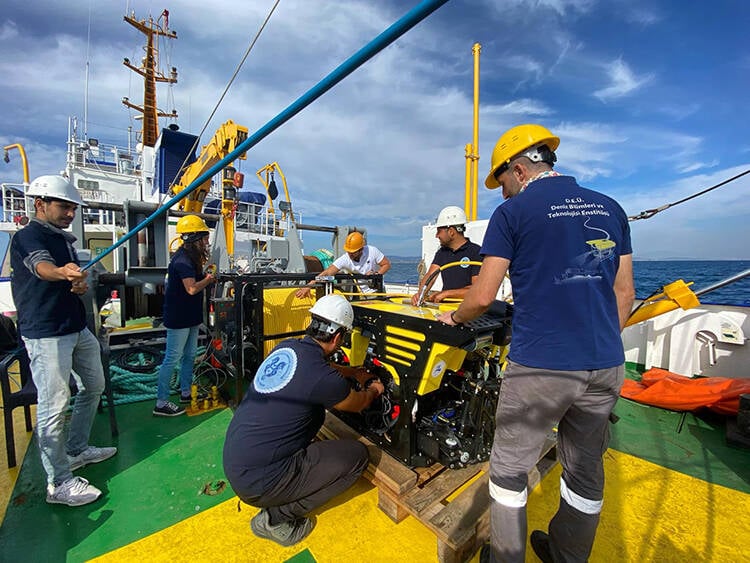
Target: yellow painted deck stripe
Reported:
point(650, 514)
point(9, 476)
point(349, 527)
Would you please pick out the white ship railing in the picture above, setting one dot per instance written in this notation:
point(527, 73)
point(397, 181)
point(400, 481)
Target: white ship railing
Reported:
point(14, 202)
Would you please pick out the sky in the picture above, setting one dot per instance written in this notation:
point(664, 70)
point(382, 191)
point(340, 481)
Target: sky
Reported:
point(648, 97)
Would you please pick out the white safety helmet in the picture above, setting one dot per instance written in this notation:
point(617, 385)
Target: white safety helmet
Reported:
point(336, 310)
point(55, 187)
point(451, 216)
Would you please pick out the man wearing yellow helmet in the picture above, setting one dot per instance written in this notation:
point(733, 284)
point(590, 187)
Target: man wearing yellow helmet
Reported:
point(183, 311)
point(358, 258)
point(569, 256)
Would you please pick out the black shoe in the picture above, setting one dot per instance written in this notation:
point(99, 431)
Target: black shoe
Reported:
point(484, 553)
point(540, 545)
point(168, 409)
point(286, 533)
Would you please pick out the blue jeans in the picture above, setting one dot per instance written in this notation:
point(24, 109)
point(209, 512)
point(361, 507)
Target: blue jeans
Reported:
point(182, 344)
point(52, 361)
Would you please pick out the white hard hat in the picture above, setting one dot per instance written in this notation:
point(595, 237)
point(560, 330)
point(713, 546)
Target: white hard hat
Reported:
point(336, 310)
point(451, 216)
point(55, 187)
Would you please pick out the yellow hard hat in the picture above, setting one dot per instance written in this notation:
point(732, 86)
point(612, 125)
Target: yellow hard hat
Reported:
point(513, 142)
point(191, 224)
point(354, 241)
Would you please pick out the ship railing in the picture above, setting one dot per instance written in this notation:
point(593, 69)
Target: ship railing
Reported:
point(260, 219)
point(13, 202)
point(102, 156)
point(103, 217)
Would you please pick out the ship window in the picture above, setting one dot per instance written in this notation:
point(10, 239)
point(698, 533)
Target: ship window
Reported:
point(88, 185)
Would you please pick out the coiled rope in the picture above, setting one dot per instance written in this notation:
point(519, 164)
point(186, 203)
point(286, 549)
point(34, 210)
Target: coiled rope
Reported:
point(134, 374)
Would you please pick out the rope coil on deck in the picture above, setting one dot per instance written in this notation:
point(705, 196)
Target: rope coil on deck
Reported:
point(133, 381)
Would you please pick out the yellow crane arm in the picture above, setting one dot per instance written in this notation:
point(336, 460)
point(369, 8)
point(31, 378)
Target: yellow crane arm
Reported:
point(227, 137)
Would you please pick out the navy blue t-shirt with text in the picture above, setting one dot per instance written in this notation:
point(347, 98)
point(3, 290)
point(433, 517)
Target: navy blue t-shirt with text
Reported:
point(564, 244)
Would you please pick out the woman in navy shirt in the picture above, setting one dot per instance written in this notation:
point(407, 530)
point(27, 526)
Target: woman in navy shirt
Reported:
point(183, 311)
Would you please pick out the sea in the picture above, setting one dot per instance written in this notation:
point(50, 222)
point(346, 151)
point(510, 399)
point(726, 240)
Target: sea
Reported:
point(650, 276)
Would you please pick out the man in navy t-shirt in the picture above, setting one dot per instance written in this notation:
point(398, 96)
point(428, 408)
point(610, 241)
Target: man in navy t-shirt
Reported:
point(269, 456)
point(569, 256)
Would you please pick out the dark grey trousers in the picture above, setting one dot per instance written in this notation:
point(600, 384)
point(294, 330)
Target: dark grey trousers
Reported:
point(532, 401)
point(317, 474)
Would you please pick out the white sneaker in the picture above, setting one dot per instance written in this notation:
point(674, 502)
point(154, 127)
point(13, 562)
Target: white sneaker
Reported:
point(92, 454)
point(76, 491)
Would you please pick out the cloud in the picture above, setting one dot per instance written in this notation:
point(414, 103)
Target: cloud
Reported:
point(623, 81)
point(384, 149)
point(8, 31)
point(642, 15)
point(697, 166)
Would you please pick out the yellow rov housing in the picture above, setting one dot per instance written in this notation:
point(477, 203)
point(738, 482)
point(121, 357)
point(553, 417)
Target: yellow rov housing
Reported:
point(442, 381)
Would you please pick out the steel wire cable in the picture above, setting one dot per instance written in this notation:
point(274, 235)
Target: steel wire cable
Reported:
point(648, 213)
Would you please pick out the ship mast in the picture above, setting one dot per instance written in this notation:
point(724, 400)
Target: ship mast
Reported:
point(151, 74)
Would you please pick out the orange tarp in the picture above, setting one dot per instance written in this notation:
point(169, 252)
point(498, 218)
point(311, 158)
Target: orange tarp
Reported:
point(661, 388)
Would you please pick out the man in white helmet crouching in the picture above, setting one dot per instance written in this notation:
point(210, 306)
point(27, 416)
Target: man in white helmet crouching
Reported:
point(46, 283)
point(269, 456)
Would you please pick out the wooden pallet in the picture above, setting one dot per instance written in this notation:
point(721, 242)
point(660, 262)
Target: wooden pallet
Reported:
point(453, 503)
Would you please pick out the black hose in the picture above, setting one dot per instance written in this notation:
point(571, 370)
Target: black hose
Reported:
point(139, 359)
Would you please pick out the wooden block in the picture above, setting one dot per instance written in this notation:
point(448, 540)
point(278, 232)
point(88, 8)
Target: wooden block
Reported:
point(457, 522)
point(436, 490)
point(389, 504)
point(446, 554)
point(460, 526)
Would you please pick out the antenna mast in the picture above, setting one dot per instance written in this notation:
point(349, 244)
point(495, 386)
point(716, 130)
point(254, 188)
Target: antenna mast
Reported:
point(151, 74)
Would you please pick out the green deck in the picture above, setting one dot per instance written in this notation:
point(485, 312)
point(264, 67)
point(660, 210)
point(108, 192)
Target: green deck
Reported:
point(696, 447)
point(163, 465)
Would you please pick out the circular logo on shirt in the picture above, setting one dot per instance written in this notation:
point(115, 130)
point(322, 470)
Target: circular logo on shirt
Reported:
point(465, 259)
point(276, 371)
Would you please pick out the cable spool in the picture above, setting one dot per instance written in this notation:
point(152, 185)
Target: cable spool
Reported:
point(325, 256)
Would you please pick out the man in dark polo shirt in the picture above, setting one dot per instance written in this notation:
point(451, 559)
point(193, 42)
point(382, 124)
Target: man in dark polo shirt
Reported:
point(46, 283)
point(269, 456)
point(454, 247)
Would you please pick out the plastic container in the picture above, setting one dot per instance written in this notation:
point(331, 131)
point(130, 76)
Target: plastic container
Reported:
point(110, 312)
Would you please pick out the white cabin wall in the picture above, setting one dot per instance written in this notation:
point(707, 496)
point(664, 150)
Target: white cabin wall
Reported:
point(709, 341)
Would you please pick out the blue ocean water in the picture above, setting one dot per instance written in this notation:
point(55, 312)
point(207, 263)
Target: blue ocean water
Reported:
point(650, 277)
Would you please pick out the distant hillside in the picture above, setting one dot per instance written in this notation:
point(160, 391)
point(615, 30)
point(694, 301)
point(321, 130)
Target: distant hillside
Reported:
point(404, 258)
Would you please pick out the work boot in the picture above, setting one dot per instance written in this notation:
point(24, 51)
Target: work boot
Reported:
point(92, 454)
point(540, 545)
point(286, 534)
